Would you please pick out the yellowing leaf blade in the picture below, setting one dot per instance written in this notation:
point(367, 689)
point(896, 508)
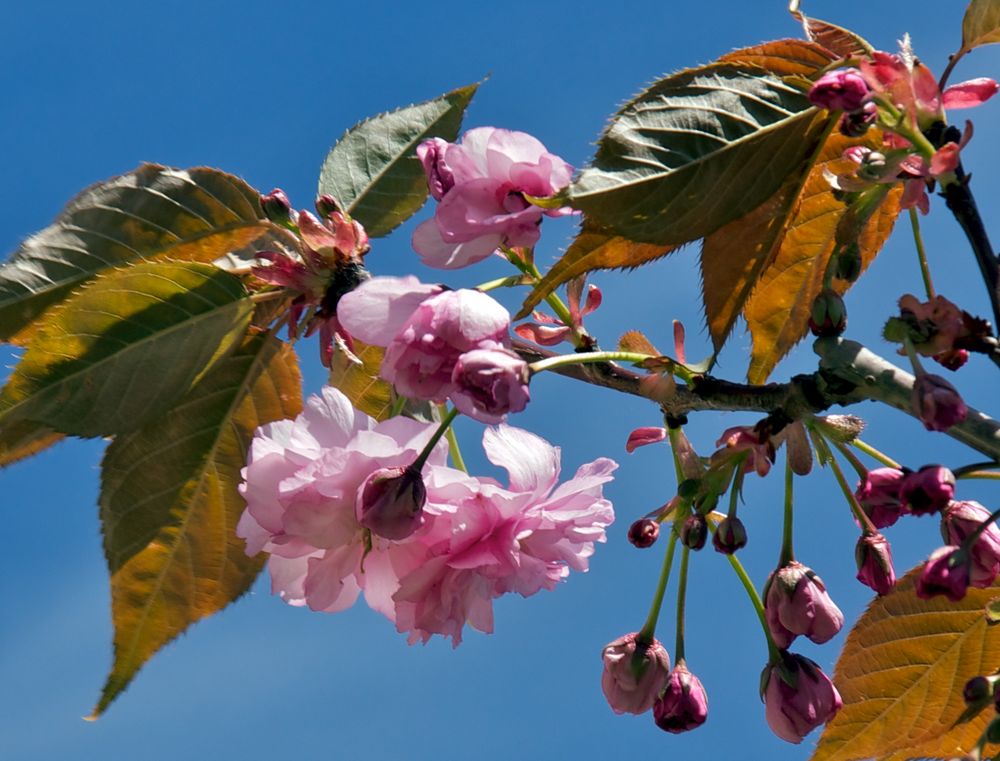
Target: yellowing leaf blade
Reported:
point(901, 675)
point(361, 383)
point(169, 504)
point(981, 24)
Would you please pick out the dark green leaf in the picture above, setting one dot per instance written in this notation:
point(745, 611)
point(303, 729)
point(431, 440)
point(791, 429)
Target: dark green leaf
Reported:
point(169, 504)
point(696, 150)
point(24, 439)
point(125, 347)
point(373, 170)
point(197, 214)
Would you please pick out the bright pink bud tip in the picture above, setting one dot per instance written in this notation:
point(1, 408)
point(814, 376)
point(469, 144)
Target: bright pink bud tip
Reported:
point(958, 522)
point(796, 602)
point(391, 502)
point(840, 90)
point(874, 559)
point(634, 674)
point(879, 496)
point(489, 383)
point(928, 490)
point(798, 697)
point(946, 572)
point(683, 706)
point(937, 403)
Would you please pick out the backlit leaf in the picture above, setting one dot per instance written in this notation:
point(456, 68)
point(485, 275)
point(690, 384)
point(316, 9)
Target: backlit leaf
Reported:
point(695, 151)
point(361, 384)
point(197, 214)
point(25, 439)
point(981, 24)
point(791, 253)
point(836, 39)
point(169, 504)
point(901, 675)
point(636, 341)
point(595, 248)
point(783, 57)
point(373, 170)
point(125, 347)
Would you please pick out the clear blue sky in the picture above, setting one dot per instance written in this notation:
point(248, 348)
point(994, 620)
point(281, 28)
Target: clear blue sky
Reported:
point(262, 89)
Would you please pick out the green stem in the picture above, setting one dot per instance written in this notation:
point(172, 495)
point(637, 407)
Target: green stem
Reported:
point(418, 464)
point(751, 590)
point(645, 635)
point(918, 241)
point(453, 448)
point(500, 282)
point(859, 514)
point(674, 434)
point(397, 406)
point(875, 454)
point(589, 357)
point(990, 475)
point(852, 458)
point(787, 553)
point(734, 491)
point(527, 266)
point(681, 599)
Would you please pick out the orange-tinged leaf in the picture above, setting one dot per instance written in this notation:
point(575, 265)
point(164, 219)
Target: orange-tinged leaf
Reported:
point(361, 384)
point(636, 341)
point(169, 504)
point(25, 439)
point(901, 676)
point(836, 39)
point(783, 57)
point(595, 248)
point(777, 311)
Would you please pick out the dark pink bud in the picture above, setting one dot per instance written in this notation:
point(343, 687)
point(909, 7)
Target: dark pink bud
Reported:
point(798, 697)
point(840, 90)
point(683, 706)
point(643, 533)
point(796, 602)
point(730, 536)
point(928, 490)
point(440, 178)
point(489, 383)
point(958, 522)
point(879, 496)
point(276, 206)
point(937, 403)
point(856, 123)
point(391, 502)
point(953, 359)
point(946, 572)
point(634, 674)
point(874, 560)
point(326, 205)
point(828, 316)
point(694, 532)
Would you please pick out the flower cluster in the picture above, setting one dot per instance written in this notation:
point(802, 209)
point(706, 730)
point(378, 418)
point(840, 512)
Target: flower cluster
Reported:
point(332, 496)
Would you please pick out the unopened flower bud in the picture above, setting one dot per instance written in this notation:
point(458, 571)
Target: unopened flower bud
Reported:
point(694, 531)
point(928, 490)
point(489, 383)
point(796, 602)
point(730, 536)
point(634, 674)
point(936, 402)
point(977, 690)
point(391, 501)
point(848, 262)
point(798, 697)
point(874, 560)
point(856, 123)
point(643, 533)
point(946, 572)
point(879, 496)
point(959, 521)
point(683, 706)
point(276, 206)
point(840, 90)
point(829, 315)
point(326, 205)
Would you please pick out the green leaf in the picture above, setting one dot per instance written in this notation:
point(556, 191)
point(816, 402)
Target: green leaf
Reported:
point(901, 675)
point(169, 504)
point(981, 24)
point(595, 248)
point(125, 347)
point(197, 214)
point(373, 170)
point(361, 383)
point(697, 150)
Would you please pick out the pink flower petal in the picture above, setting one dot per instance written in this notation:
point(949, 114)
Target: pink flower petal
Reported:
point(945, 159)
point(640, 437)
point(376, 310)
point(970, 93)
point(435, 252)
point(531, 462)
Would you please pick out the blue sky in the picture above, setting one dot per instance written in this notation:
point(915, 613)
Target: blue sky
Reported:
point(262, 89)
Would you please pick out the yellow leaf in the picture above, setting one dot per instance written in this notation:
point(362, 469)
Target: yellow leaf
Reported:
point(595, 248)
point(901, 676)
point(636, 341)
point(796, 250)
point(169, 504)
point(361, 384)
point(981, 24)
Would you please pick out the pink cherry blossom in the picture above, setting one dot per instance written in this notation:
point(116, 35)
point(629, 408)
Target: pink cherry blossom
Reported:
point(489, 383)
point(840, 90)
point(481, 183)
point(634, 674)
point(483, 540)
point(796, 602)
point(798, 697)
point(958, 522)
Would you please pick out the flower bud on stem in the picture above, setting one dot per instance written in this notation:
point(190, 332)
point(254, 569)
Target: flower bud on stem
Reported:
point(787, 553)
